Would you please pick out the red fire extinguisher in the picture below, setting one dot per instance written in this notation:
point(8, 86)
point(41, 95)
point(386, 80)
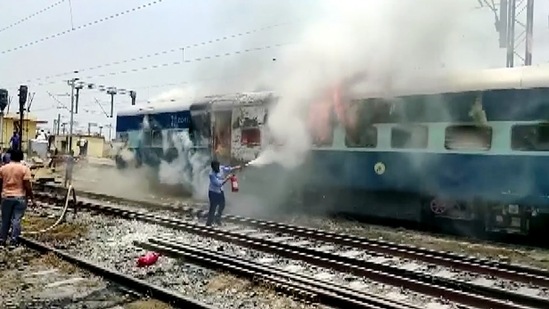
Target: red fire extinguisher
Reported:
point(234, 183)
point(148, 259)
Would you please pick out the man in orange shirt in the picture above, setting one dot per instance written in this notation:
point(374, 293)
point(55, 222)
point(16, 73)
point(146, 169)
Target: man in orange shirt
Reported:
point(15, 180)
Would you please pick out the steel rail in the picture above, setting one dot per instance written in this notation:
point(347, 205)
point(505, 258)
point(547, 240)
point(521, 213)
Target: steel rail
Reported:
point(502, 270)
point(128, 282)
point(487, 266)
point(463, 262)
point(454, 290)
point(328, 293)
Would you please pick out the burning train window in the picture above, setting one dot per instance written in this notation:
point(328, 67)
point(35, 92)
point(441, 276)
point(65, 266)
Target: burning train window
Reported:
point(531, 137)
point(321, 124)
point(414, 136)
point(361, 138)
point(250, 137)
point(468, 137)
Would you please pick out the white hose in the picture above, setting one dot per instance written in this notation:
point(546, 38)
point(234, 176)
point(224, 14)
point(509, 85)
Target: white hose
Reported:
point(61, 218)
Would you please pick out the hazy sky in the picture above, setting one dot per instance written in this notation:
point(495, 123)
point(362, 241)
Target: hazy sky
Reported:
point(171, 24)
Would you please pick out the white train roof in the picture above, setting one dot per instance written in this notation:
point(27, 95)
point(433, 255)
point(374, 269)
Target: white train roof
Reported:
point(429, 83)
point(177, 105)
point(465, 81)
point(154, 108)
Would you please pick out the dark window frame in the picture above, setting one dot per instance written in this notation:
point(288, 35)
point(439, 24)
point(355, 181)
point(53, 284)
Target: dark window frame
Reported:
point(488, 129)
point(247, 143)
point(536, 126)
point(404, 127)
point(360, 145)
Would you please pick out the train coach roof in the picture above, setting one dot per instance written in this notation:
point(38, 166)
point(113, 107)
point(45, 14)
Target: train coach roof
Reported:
point(167, 107)
point(478, 80)
point(154, 108)
point(466, 81)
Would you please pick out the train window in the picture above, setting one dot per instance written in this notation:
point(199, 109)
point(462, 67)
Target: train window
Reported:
point(156, 138)
point(321, 124)
point(531, 137)
point(250, 137)
point(361, 138)
point(413, 136)
point(124, 137)
point(468, 137)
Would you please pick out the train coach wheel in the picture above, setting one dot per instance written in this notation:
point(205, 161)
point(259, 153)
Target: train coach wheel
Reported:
point(438, 206)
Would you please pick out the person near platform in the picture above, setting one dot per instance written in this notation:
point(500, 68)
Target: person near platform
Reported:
point(219, 175)
point(15, 181)
point(69, 167)
point(15, 141)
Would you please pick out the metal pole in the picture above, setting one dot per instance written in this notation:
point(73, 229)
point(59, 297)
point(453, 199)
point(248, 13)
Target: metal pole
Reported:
point(58, 124)
point(1, 129)
point(76, 98)
point(503, 24)
point(72, 82)
point(21, 119)
point(112, 103)
point(511, 19)
point(529, 31)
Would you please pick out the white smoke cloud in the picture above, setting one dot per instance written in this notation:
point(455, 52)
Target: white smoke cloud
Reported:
point(376, 46)
point(174, 96)
point(387, 43)
point(189, 169)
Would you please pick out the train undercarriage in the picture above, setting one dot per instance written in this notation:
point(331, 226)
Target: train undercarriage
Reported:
point(426, 212)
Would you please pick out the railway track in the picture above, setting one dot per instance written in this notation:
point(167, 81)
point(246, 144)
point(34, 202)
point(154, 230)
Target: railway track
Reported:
point(336, 252)
point(519, 273)
point(118, 283)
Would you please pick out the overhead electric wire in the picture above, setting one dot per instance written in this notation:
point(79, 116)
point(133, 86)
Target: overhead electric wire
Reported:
point(32, 15)
point(154, 54)
point(95, 22)
point(167, 64)
point(197, 59)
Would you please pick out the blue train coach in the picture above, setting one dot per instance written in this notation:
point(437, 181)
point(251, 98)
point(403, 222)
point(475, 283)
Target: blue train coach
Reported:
point(468, 147)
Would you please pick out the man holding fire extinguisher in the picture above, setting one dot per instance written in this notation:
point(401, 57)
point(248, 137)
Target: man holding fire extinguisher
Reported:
point(218, 177)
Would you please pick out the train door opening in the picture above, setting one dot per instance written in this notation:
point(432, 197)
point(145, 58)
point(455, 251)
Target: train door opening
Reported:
point(222, 135)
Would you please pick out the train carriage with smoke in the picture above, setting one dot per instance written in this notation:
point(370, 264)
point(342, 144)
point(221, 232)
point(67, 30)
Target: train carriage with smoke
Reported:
point(462, 147)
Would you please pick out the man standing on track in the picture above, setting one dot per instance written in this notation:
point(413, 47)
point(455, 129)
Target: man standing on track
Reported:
point(218, 177)
point(15, 181)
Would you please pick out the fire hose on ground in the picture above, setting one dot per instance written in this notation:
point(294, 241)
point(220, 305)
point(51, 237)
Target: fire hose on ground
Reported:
point(70, 191)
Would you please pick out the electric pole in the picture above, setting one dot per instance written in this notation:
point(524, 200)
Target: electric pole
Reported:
point(110, 130)
point(71, 83)
point(112, 92)
point(133, 96)
point(4, 99)
point(23, 91)
point(515, 25)
point(58, 123)
point(78, 87)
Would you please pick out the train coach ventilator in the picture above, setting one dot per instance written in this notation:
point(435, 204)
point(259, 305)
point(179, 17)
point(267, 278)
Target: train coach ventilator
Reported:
point(70, 192)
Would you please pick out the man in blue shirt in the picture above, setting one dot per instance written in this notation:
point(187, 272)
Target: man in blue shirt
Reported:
point(15, 141)
point(218, 177)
